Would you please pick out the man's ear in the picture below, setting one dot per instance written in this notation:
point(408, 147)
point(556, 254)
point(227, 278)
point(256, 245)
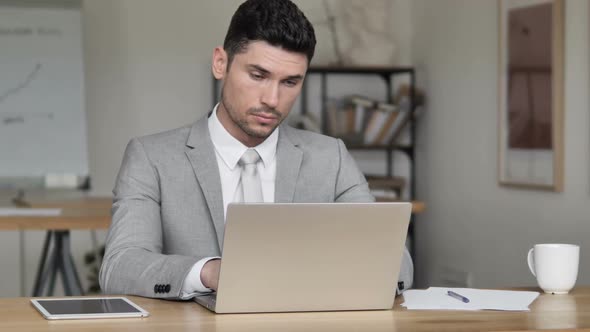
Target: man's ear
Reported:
point(219, 65)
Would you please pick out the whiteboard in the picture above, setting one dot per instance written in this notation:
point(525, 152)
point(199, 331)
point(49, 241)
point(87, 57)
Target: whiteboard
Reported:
point(42, 107)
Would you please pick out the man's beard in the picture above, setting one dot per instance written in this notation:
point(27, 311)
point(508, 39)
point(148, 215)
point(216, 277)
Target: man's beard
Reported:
point(243, 124)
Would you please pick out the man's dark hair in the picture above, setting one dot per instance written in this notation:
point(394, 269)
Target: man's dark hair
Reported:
point(277, 22)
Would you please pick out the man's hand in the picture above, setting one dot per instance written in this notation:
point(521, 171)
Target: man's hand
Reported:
point(210, 273)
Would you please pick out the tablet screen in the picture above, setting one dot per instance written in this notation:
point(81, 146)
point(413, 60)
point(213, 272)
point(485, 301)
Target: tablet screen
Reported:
point(87, 306)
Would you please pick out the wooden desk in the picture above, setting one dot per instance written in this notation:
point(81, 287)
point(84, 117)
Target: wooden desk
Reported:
point(77, 214)
point(70, 219)
point(555, 312)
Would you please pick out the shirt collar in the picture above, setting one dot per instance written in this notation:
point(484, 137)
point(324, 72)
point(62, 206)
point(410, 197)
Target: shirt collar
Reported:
point(231, 150)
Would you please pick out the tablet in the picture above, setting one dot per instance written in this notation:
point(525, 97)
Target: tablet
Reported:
point(88, 307)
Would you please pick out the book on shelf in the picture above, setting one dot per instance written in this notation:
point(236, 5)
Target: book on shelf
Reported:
point(362, 106)
point(334, 121)
point(364, 121)
point(350, 114)
point(346, 117)
point(390, 134)
point(378, 125)
point(386, 188)
point(407, 112)
point(384, 195)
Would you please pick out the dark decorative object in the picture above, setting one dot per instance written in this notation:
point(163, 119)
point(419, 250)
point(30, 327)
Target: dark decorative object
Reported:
point(93, 262)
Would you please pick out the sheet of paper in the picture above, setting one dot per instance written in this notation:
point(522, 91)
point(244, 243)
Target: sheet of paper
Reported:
point(436, 298)
point(27, 212)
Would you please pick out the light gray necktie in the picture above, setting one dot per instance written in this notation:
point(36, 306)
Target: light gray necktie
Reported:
point(250, 180)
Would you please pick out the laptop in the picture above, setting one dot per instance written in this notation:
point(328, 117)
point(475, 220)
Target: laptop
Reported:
point(310, 257)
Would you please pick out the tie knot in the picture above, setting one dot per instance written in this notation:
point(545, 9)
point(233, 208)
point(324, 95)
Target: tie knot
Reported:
point(249, 157)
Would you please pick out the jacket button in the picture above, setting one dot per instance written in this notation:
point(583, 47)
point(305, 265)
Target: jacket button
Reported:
point(167, 288)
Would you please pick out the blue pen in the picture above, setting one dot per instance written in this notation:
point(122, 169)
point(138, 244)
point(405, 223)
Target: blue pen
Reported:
point(458, 296)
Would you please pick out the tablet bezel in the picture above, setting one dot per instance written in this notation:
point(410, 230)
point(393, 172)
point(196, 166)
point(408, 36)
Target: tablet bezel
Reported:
point(38, 304)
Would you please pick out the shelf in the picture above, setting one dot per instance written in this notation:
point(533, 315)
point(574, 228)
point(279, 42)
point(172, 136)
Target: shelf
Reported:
point(360, 70)
point(382, 187)
point(379, 147)
point(376, 181)
point(417, 206)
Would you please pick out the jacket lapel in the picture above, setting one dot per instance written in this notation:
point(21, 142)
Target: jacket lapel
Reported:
point(202, 158)
point(289, 157)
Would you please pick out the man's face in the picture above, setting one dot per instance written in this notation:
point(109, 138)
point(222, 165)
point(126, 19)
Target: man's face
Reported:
point(259, 89)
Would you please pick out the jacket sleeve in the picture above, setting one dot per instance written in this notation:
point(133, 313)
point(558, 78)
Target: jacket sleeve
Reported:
point(133, 262)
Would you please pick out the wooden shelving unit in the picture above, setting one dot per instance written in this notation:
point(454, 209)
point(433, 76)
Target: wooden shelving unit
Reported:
point(388, 74)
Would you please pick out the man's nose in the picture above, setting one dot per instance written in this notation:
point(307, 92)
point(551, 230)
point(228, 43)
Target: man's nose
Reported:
point(270, 95)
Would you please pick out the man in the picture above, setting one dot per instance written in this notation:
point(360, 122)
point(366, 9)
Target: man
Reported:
point(173, 188)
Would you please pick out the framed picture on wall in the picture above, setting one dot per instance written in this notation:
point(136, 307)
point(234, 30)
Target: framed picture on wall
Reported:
point(531, 107)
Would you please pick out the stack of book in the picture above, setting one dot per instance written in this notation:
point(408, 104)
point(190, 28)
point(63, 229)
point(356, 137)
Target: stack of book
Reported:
point(384, 123)
point(386, 189)
point(364, 121)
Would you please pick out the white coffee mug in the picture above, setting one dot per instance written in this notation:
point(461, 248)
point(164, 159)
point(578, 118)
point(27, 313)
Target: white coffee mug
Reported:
point(555, 266)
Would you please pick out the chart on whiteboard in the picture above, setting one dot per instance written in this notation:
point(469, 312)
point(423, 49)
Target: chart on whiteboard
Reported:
point(20, 88)
point(42, 107)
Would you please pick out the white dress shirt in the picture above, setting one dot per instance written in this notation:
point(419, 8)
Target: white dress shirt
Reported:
point(228, 152)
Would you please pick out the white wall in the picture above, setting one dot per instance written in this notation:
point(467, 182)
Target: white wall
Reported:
point(471, 224)
point(148, 70)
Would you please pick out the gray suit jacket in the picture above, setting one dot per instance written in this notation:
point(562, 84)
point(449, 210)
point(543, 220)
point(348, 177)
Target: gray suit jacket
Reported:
point(168, 206)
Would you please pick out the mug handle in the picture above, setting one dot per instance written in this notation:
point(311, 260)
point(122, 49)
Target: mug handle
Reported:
point(531, 261)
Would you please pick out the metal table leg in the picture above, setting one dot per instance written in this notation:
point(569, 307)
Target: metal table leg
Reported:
point(41, 276)
point(69, 274)
point(60, 261)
